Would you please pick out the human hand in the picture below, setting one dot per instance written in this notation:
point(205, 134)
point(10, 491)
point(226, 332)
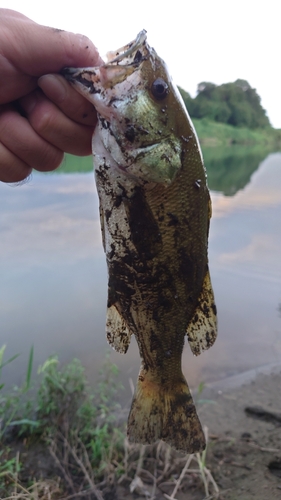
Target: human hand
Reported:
point(41, 116)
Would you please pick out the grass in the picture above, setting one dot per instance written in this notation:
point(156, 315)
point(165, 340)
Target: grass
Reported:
point(11, 405)
point(212, 134)
point(74, 164)
point(68, 441)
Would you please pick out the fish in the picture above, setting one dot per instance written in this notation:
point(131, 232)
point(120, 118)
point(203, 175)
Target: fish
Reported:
point(155, 211)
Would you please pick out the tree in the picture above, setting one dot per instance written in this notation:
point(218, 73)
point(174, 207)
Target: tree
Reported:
point(188, 101)
point(234, 103)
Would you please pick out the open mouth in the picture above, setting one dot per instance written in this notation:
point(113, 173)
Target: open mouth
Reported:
point(130, 54)
point(120, 65)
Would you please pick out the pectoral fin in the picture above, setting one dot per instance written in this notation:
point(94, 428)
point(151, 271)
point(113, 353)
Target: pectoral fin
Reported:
point(202, 329)
point(118, 335)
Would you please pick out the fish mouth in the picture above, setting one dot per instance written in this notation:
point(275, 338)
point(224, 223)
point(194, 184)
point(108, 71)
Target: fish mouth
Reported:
point(120, 64)
point(130, 54)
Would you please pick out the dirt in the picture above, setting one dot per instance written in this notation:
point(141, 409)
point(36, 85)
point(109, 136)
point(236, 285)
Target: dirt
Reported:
point(244, 447)
point(243, 454)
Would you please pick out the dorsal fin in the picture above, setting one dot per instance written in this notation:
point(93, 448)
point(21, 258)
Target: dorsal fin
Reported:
point(202, 329)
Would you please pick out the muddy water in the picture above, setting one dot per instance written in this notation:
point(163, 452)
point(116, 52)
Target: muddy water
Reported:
point(53, 274)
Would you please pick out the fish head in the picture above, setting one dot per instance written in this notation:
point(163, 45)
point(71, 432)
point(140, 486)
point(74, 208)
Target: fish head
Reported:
point(139, 109)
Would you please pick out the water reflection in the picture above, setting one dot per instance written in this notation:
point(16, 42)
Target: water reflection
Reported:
point(245, 244)
point(230, 168)
point(53, 274)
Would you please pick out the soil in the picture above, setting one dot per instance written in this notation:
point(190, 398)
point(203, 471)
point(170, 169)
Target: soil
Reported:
point(243, 454)
point(244, 448)
point(244, 424)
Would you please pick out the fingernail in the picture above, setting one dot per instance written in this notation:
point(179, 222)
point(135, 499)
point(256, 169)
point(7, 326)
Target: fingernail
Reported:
point(53, 87)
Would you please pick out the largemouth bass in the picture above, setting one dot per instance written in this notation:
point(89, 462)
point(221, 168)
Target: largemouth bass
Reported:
point(154, 210)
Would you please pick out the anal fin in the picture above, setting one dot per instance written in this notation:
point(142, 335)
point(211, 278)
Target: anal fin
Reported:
point(202, 329)
point(117, 332)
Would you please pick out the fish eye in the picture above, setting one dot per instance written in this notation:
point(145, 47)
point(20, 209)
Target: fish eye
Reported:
point(159, 89)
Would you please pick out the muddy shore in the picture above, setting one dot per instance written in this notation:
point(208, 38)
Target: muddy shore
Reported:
point(244, 423)
point(243, 418)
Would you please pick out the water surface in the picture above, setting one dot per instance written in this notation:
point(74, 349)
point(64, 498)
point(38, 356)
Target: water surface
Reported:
point(53, 273)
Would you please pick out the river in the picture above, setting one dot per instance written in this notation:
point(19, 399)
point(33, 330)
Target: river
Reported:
point(53, 273)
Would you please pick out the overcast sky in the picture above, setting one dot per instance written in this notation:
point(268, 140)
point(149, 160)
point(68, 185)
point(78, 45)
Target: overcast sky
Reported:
point(217, 41)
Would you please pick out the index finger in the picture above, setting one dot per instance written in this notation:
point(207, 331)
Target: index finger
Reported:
point(37, 49)
point(70, 102)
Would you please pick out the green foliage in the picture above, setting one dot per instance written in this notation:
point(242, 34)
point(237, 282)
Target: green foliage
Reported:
point(82, 441)
point(212, 133)
point(14, 404)
point(229, 169)
point(236, 104)
point(61, 392)
point(9, 468)
point(63, 399)
point(232, 154)
point(73, 164)
point(68, 410)
point(187, 99)
point(64, 393)
point(79, 425)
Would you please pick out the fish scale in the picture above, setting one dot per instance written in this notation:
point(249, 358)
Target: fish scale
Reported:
point(154, 210)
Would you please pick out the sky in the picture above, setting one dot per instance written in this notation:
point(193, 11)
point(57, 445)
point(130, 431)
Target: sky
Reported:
point(215, 41)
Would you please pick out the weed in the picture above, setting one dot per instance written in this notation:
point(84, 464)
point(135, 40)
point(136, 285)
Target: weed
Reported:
point(206, 475)
point(60, 395)
point(8, 466)
point(197, 396)
point(89, 456)
point(79, 424)
point(14, 403)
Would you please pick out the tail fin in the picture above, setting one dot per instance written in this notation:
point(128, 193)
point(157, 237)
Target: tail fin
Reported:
point(167, 412)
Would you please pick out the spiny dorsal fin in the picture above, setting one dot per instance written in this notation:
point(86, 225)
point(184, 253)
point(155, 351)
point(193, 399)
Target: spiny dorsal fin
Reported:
point(202, 329)
point(117, 333)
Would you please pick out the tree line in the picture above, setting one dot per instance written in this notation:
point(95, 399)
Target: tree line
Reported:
point(234, 103)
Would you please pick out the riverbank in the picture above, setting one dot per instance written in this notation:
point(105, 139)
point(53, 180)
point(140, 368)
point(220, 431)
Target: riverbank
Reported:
point(216, 139)
point(74, 446)
point(213, 134)
point(244, 424)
